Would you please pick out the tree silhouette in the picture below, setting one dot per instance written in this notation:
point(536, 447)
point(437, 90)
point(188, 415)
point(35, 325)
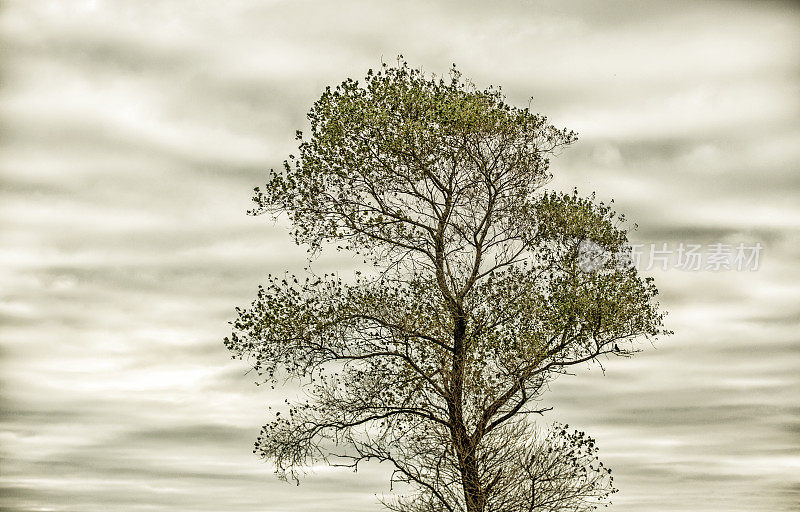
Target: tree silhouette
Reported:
point(433, 361)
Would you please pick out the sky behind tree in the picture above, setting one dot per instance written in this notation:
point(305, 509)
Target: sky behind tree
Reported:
point(133, 133)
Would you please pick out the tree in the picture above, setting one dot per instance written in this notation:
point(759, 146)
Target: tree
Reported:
point(433, 361)
point(521, 468)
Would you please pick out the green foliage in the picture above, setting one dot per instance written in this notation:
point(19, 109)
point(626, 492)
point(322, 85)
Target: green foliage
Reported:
point(477, 299)
point(373, 145)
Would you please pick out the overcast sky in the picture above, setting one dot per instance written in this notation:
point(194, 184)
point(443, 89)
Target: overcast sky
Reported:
point(134, 131)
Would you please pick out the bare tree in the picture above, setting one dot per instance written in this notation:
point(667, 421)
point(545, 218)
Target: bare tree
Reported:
point(434, 360)
point(521, 467)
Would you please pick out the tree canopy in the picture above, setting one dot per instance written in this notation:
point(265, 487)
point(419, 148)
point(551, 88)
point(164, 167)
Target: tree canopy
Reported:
point(435, 358)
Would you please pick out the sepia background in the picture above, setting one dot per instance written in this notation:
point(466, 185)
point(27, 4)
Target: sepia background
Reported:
point(134, 131)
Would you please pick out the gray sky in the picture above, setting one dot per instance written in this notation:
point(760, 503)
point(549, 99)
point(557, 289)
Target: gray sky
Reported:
point(134, 131)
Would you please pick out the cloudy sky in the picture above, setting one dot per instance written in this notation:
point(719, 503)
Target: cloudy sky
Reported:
point(134, 131)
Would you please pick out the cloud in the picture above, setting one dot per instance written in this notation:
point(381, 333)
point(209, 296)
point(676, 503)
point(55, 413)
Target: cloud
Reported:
point(133, 134)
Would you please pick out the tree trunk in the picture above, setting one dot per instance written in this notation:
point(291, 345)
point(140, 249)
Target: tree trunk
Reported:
point(473, 491)
point(468, 466)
